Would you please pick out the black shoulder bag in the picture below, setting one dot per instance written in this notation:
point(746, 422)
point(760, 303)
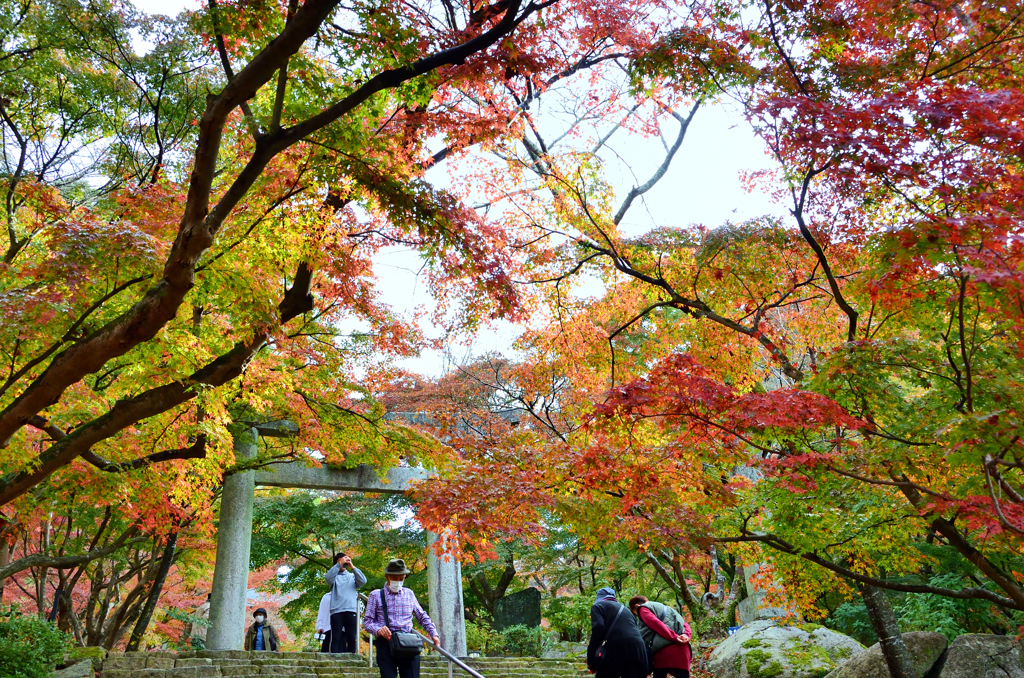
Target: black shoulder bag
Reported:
point(603, 650)
point(403, 644)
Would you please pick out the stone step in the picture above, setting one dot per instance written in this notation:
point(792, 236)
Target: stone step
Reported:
point(351, 673)
point(241, 664)
point(213, 672)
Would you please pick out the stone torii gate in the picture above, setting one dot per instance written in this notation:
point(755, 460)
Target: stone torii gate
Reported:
point(234, 538)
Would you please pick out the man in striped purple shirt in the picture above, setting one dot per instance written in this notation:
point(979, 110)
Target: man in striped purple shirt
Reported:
point(402, 607)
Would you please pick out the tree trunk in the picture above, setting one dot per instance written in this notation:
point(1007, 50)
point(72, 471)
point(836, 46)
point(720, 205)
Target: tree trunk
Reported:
point(154, 593)
point(679, 587)
point(489, 595)
point(5, 559)
point(737, 592)
point(719, 579)
point(897, 658)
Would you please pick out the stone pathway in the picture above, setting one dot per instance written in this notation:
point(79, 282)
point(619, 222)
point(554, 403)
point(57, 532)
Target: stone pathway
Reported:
point(241, 664)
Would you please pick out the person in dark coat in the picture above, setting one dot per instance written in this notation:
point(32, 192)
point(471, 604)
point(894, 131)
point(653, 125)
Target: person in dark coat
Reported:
point(615, 637)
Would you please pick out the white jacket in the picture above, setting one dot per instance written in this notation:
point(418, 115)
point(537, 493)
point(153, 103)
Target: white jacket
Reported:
point(323, 617)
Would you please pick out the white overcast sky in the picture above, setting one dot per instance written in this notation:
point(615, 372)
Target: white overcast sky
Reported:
point(703, 186)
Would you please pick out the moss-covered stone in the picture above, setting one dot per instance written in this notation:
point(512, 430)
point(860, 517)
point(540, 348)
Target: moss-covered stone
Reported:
point(77, 655)
point(87, 653)
point(754, 660)
point(760, 664)
point(924, 648)
point(813, 660)
point(767, 649)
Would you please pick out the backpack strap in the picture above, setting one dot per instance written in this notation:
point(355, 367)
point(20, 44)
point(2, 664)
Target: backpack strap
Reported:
point(384, 604)
point(617, 615)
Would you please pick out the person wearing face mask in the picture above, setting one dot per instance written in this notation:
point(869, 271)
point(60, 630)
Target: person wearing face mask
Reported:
point(261, 635)
point(345, 580)
point(402, 607)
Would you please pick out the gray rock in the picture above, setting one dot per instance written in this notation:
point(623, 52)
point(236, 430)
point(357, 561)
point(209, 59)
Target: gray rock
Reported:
point(765, 649)
point(983, 656)
point(925, 648)
point(752, 608)
point(83, 669)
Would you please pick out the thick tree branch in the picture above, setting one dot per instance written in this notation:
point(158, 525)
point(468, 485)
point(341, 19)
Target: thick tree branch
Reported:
point(127, 538)
point(787, 548)
point(150, 403)
point(229, 73)
point(195, 451)
point(195, 235)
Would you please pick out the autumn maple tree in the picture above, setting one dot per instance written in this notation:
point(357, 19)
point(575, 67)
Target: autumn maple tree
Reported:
point(833, 390)
point(860, 354)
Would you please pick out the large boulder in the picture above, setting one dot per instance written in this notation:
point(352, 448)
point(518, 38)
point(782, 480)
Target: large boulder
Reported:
point(924, 648)
point(983, 656)
point(766, 649)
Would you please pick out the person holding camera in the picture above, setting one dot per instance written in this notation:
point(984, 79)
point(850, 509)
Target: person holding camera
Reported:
point(344, 579)
point(389, 615)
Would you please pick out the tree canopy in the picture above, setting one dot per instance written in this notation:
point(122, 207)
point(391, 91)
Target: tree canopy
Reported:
point(193, 207)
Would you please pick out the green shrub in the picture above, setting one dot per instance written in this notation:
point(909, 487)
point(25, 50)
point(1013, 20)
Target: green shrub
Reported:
point(483, 639)
point(30, 647)
point(523, 641)
point(569, 617)
point(852, 619)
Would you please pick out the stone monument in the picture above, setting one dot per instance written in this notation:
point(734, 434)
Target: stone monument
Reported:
point(522, 607)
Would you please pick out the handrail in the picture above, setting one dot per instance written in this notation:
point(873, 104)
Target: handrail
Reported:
point(452, 659)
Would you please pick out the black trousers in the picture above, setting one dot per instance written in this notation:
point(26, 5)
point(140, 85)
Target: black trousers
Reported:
point(678, 673)
point(617, 672)
point(326, 645)
point(610, 670)
point(391, 667)
point(343, 632)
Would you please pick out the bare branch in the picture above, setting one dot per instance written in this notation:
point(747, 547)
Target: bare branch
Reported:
point(637, 191)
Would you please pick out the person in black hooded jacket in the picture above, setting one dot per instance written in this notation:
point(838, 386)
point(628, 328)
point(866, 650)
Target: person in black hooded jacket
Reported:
point(616, 649)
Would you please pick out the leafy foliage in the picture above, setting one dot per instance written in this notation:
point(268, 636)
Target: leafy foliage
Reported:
point(192, 207)
point(569, 616)
point(836, 388)
point(304, 529)
point(482, 638)
point(30, 647)
point(523, 641)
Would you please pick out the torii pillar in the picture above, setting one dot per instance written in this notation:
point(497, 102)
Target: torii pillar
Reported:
point(234, 539)
point(231, 572)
